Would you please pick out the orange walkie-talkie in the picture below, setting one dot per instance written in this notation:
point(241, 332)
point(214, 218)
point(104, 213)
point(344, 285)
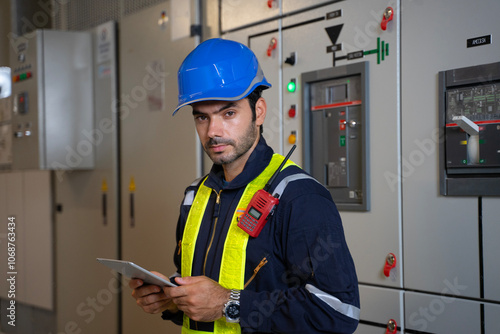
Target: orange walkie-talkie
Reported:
point(261, 206)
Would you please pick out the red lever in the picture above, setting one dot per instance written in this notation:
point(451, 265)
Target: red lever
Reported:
point(270, 3)
point(272, 45)
point(390, 262)
point(392, 327)
point(388, 16)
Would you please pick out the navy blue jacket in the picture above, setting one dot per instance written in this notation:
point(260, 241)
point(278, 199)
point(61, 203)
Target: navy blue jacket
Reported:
point(309, 283)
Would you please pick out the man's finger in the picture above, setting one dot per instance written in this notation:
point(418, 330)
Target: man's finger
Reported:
point(135, 283)
point(145, 291)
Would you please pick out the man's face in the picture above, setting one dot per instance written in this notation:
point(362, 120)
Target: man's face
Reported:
point(226, 129)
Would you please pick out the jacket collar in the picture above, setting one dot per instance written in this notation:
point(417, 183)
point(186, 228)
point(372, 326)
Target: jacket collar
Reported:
point(257, 162)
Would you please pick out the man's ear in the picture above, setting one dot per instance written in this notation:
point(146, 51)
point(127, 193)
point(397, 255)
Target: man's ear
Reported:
point(260, 111)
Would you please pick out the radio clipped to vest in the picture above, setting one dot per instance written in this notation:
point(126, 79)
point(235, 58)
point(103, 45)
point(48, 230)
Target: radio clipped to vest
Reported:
point(261, 206)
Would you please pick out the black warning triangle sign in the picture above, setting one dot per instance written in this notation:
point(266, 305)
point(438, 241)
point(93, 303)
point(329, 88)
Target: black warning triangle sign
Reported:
point(334, 32)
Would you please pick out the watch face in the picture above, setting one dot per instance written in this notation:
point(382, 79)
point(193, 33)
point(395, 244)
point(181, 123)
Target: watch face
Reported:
point(233, 311)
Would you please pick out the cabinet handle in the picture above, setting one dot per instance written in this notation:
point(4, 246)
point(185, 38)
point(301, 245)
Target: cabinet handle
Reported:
point(131, 189)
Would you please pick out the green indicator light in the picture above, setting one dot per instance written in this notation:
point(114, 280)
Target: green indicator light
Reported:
point(482, 141)
point(291, 86)
point(342, 141)
point(464, 161)
point(481, 161)
point(22, 76)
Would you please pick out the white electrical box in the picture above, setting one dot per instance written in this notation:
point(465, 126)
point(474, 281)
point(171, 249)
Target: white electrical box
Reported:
point(52, 119)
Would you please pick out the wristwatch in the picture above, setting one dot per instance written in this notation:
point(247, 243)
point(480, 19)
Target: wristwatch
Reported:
point(232, 307)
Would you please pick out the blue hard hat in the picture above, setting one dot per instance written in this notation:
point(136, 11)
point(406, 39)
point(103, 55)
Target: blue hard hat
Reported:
point(219, 69)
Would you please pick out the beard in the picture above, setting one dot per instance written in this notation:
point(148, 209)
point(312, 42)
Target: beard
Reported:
point(245, 142)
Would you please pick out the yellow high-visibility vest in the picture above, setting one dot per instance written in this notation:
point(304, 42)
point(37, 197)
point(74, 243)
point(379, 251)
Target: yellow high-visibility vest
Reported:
point(232, 268)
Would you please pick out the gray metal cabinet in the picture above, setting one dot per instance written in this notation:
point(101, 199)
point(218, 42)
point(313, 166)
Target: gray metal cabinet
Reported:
point(304, 34)
point(381, 306)
point(441, 314)
point(491, 248)
point(159, 154)
point(440, 233)
point(66, 218)
point(380, 228)
point(290, 6)
point(240, 13)
point(491, 318)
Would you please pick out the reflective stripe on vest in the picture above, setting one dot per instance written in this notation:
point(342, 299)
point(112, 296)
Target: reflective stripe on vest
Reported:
point(232, 268)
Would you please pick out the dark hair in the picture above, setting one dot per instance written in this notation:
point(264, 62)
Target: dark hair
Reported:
point(253, 97)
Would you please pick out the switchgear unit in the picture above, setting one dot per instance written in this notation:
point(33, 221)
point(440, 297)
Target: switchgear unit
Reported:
point(336, 132)
point(5, 116)
point(52, 95)
point(470, 128)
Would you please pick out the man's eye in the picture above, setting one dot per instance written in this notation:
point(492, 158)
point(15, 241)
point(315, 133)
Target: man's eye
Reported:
point(230, 113)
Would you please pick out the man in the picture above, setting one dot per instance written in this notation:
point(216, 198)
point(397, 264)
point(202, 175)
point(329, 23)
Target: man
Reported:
point(297, 275)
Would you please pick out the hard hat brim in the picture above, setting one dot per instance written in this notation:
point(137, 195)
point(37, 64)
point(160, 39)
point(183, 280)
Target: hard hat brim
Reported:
point(209, 96)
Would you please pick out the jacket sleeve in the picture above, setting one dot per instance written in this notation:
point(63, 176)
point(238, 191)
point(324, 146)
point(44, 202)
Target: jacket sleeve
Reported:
point(319, 289)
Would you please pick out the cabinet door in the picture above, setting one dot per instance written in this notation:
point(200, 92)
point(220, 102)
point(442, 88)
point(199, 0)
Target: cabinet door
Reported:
point(357, 29)
point(440, 233)
point(441, 314)
point(28, 246)
point(38, 239)
point(290, 6)
point(491, 247)
point(491, 318)
point(15, 207)
point(158, 151)
point(5, 212)
point(368, 329)
point(86, 221)
point(381, 306)
point(26, 202)
point(239, 13)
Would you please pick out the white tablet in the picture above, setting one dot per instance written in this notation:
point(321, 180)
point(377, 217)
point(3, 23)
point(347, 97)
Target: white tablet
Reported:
point(132, 270)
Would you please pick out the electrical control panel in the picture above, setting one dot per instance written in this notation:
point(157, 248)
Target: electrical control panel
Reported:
point(5, 118)
point(336, 131)
point(470, 128)
point(52, 97)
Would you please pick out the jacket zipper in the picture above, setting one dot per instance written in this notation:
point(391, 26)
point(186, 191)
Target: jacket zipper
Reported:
point(256, 270)
point(217, 202)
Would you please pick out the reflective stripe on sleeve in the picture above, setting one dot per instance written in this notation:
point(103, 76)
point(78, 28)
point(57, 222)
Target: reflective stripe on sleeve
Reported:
point(188, 199)
point(335, 303)
point(280, 188)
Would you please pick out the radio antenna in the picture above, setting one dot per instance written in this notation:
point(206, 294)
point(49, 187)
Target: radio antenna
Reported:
point(268, 184)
